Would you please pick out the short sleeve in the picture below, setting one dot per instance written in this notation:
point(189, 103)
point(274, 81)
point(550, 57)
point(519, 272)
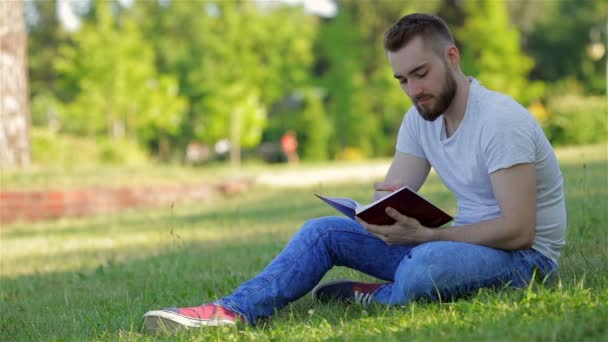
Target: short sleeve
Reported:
point(507, 142)
point(408, 140)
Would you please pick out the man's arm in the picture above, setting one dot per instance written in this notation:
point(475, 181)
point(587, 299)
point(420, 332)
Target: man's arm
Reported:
point(405, 169)
point(515, 191)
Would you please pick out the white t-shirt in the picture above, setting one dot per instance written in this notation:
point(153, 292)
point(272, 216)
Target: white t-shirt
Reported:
point(495, 133)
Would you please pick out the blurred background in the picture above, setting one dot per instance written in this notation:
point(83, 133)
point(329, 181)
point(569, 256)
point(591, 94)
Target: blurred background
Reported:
point(122, 82)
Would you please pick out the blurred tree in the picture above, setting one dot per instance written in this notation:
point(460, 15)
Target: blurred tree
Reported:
point(231, 57)
point(365, 102)
point(14, 104)
point(349, 106)
point(45, 36)
point(526, 15)
point(118, 88)
point(176, 31)
point(492, 53)
point(577, 120)
point(315, 126)
point(560, 44)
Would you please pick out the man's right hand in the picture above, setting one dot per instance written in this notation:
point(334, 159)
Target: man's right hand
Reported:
point(383, 189)
point(405, 169)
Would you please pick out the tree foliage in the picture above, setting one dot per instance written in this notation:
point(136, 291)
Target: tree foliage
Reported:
point(234, 60)
point(492, 51)
point(365, 102)
point(165, 73)
point(119, 92)
point(561, 39)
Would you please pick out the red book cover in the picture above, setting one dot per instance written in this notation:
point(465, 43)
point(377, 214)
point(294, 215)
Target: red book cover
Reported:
point(405, 200)
point(408, 203)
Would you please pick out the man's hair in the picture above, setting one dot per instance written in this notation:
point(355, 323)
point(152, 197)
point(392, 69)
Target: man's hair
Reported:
point(432, 29)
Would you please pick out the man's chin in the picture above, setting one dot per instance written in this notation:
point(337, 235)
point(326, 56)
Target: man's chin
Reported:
point(430, 117)
point(427, 115)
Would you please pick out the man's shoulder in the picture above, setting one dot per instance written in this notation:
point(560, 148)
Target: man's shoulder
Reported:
point(491, 99)
point(499, 109)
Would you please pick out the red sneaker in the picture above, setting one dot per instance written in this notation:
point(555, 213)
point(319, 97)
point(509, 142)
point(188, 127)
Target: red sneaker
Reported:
point(174, 319)
point(347, 291)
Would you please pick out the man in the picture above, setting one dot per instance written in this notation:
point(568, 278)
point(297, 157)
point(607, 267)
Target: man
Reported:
point(486, 148)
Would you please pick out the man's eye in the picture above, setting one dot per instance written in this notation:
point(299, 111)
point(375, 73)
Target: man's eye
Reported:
point(422, 74)
point(403, 80)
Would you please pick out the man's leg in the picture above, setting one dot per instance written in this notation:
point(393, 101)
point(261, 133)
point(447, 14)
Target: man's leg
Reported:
point(444, 270)
point(318, 246)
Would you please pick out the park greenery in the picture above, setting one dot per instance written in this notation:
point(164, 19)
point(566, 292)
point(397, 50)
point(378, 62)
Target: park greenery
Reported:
point(141, 79)
point(81, 279)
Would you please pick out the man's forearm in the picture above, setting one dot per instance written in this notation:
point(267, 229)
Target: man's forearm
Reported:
point(499, 233)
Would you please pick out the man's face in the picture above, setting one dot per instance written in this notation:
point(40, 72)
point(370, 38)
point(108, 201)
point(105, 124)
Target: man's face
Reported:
point(425, 77)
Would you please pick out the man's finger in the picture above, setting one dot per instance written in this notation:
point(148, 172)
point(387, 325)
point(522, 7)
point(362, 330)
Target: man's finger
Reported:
point(374, 229)
point(364, 224)
point(381, 237)
point(396, 215)
point(371, 229)
point(386, 186)
point(400, 218)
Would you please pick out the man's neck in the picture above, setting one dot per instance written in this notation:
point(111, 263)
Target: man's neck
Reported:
point(455, 112)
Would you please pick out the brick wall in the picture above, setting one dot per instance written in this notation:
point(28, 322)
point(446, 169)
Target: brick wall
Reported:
point(49, 204)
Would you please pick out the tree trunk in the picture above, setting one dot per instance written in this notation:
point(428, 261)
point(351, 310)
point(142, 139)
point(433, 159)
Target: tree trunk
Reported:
point(14, 104)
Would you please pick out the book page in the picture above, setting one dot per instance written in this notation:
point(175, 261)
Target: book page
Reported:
point(347, 202)
point(346, 206)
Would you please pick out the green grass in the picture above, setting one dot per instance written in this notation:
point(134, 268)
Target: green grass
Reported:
point(94, 278)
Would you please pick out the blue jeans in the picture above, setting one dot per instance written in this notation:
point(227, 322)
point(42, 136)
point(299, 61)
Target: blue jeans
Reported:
point(439, 270)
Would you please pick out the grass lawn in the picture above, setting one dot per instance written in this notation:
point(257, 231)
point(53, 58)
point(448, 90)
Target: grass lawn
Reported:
point(94, 278)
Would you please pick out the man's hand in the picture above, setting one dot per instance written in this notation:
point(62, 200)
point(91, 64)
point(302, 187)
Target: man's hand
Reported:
point(405, 231)
point(405, 169)
point(383, 189)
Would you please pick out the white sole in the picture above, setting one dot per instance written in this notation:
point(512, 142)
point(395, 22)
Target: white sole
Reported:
point(166, 321)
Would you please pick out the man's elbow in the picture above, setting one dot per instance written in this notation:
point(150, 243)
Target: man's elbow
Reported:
point(527, 242)
point(524, 239)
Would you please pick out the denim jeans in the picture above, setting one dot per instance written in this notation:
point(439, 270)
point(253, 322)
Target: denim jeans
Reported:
point(440, 270)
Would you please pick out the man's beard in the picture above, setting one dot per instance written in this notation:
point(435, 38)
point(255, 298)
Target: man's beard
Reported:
point(444, 100)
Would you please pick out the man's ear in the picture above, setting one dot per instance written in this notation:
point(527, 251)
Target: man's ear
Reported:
point(453, 56)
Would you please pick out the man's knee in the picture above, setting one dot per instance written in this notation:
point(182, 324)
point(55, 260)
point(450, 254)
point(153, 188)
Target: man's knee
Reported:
point(323, 225)
point(429, 268)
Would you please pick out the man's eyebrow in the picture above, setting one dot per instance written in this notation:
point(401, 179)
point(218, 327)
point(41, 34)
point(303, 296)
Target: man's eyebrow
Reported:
point(416, 69)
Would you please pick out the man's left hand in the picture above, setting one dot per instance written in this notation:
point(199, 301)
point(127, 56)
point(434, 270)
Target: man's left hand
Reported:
point(405, 231)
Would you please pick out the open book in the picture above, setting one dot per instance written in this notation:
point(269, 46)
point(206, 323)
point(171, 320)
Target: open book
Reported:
point(405, 200)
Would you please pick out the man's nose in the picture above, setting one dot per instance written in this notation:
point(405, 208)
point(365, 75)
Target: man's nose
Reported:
point(415, 88)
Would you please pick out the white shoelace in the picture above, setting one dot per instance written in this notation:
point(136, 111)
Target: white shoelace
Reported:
point(363, 298)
